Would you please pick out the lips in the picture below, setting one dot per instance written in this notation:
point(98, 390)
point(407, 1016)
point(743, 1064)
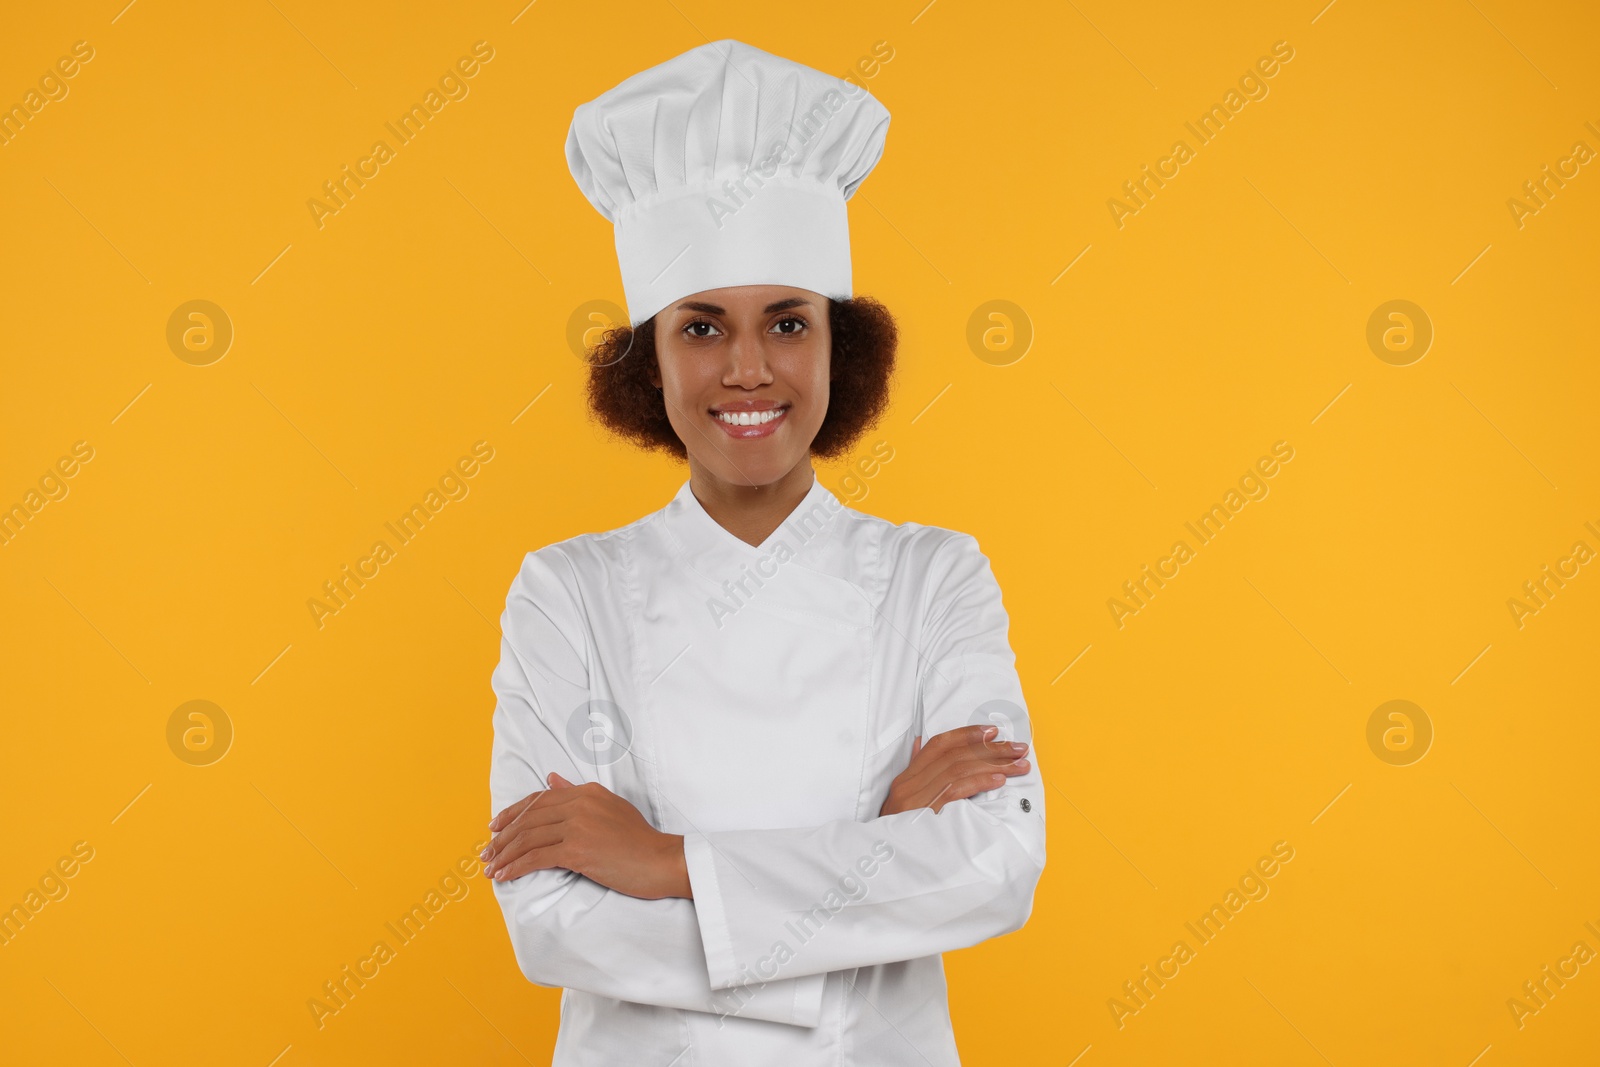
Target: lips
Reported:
point(750, 418)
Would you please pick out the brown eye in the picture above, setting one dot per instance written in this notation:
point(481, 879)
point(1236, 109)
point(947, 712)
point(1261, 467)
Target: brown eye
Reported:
point(790, 320)
point(693, 328)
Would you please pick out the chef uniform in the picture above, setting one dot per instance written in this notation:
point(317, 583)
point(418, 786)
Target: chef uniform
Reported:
point(757, 699)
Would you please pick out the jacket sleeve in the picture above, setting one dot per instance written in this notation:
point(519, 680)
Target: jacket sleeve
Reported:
point(568, 930)
point(805, 901)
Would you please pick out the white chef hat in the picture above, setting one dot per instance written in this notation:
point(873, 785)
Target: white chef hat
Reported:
point(724, 166)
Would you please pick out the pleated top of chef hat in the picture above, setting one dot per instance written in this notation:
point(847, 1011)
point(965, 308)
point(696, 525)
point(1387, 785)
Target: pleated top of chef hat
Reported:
point(725, 166)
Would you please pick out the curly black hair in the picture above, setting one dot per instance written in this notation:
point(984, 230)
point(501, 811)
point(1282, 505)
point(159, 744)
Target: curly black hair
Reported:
point(864, 338)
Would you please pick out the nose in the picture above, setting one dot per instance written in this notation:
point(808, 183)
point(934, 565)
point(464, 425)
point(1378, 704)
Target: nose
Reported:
point(747, 362)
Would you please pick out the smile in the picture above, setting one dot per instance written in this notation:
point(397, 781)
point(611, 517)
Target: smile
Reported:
point(745, 422)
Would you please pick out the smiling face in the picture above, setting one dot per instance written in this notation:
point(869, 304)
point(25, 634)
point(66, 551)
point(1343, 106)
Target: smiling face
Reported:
point(744, 371)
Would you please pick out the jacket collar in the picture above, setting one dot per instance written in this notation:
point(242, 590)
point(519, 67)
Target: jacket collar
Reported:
point(705, 541)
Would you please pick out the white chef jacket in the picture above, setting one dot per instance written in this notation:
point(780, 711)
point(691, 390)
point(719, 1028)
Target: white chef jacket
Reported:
point(759, 700)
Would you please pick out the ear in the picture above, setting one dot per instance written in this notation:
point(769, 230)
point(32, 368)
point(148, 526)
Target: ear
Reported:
point(654, 372)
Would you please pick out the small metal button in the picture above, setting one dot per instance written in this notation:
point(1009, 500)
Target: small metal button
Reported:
point(1025, 805)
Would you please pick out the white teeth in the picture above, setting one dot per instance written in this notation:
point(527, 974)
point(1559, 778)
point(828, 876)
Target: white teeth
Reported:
point(749, 418)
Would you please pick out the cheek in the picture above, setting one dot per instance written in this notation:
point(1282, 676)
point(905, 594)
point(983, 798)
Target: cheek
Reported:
point(823, 394)
point(808, 374)
point(824, 384)
point(682, 376)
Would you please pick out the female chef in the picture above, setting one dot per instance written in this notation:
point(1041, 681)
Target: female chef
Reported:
point(717, 828)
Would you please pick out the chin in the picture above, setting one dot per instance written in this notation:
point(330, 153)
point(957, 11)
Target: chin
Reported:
point(754, 471)
point(751, 460)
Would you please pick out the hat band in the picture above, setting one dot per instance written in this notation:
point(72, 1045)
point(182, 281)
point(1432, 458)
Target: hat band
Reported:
point(769, 232)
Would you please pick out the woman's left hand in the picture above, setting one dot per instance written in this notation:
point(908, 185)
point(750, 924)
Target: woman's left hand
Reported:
point(592, 831)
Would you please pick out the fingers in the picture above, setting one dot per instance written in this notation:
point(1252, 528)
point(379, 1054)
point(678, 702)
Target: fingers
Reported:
point(969, 786)
point(530, 830)
point(981, 775)
point(560, 792)
point(975, 735)
point(987, 764)
point(955, 752)
point(997, 752)
point(977, 741)
point(519, 853)
point(968, 763)
point(962, 735)
point(953, 765)
point(985, 740)
point(927, 759)
point(990, 755)
point(512, 811)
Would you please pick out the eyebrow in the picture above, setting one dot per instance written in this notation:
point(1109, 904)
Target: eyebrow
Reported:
point(712, 309)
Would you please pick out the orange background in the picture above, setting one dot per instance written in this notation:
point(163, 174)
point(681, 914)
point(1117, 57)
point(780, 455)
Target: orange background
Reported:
point(1229, 313)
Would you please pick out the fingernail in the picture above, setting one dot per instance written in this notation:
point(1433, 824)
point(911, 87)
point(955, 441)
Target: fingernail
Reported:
point(484, 855)
point(1021, 764)
point(1018, 746)
point(989, 732)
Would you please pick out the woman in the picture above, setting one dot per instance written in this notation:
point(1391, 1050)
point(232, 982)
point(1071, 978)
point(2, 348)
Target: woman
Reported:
point(717, 827)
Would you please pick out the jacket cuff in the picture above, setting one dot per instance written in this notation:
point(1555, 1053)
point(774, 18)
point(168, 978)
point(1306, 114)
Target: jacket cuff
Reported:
point(717, 941)
point(710, 910)
point(808, 999)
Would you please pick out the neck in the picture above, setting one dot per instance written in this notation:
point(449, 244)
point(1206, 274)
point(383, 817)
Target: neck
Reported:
point(751, 512)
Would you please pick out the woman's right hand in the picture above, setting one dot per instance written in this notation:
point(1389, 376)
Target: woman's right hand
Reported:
point(956, 764)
